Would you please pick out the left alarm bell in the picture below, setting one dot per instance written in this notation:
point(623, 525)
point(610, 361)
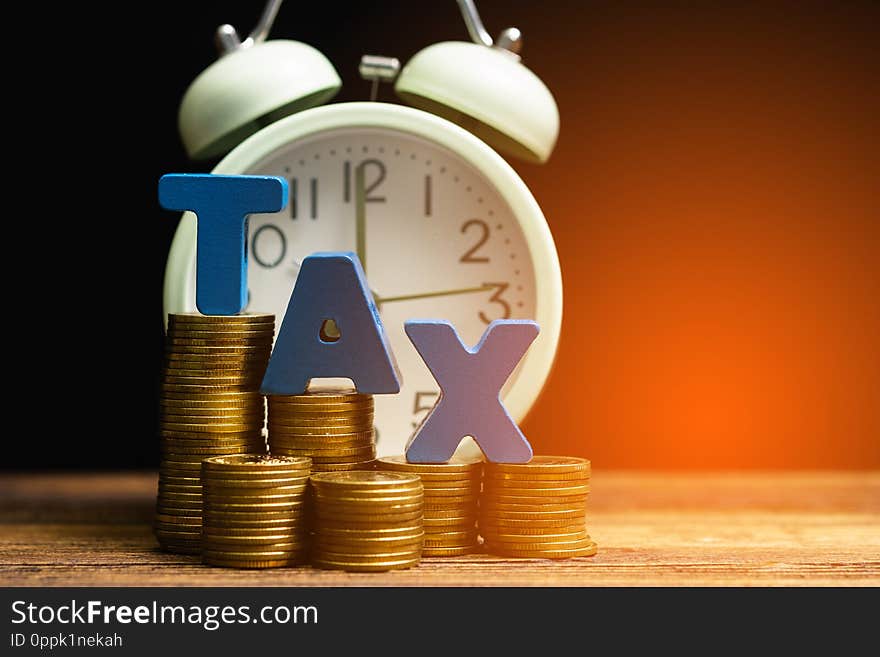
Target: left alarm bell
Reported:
point(254, 83)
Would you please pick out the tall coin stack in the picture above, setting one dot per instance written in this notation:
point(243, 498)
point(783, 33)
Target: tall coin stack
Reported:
point(254, 511)
point(451, 493)
point(367, 521)
point(332, 426)
point(210, 405)
point(537, 509)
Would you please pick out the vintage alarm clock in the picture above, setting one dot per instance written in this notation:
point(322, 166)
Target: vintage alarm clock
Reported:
point(443, 225)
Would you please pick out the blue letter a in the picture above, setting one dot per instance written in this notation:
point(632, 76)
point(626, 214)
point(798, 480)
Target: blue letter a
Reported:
point(331, 286)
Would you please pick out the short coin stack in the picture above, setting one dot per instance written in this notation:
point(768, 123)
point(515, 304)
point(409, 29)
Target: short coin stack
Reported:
point(210, 405)
point(332, 426)
point(254, 511)
point(536, 509)
point(367, 521)
point(451, 493)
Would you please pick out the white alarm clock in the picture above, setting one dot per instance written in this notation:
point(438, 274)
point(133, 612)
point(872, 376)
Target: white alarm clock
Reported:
point(444, 227)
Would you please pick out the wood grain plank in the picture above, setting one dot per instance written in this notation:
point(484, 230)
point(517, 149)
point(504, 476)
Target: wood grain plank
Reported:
point(765, 529)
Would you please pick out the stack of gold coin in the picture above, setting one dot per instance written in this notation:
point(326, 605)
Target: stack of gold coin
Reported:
point(254, 511)
point(367, 521)
point(451, 493)
point(210, 405)
point(537, 509)
point(332, 426)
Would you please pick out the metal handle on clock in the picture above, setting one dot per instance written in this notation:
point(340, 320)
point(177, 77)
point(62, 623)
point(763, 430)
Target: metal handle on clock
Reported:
point(510, 38)
point(227, 38)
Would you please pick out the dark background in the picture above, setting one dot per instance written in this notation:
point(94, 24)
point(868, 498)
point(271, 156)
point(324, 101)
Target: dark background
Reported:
point(713, 196)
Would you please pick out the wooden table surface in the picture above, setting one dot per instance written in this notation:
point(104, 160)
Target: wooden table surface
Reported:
point(803, 529)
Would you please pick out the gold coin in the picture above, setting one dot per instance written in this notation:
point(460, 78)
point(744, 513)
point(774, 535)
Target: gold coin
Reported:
point(541, 465)
point(432, 524)
point(199, 318)
point(379, 518)
point(341, 434)
point(247, 364)
point(243, 487)
point(526, 479)
point(318, 460)
point(533, 526)
point(454, 465)
point(312, 427)
point(342, 467)
point(167, 520)
point(443, 479)
point(526, 539)
point(217, 492)
point(244, 382)
point(212, 334)
point(176, 535)
point(286, 551)
point(212, 437)
point(569, 501)
point(325, 509)
point(223, 375)
point(452, 491)
point(261, 352)
point(453, 536)
point(588, 549)
point(448, 502)
point(334, 451)
point(206, 362)
point(490, 506)
point(173, 510)
point(253, 564)
point(223, 541)
point(449, 551)
point(531, 515)
point(354, 433)
point(255, 518)
point(180, 488)
point(535, 491)
point(314, 412)
point(256, 463)
point(208, 426)
point(175, 448)
point(211, 415)
point(252, 506)
point(373, 567)
point(343, 530)
point(454, 511)
point(249, 401)
point(323, 396)
point(364, 480)
point(195, 391)
point(407, 490)
point(323, 541)
point(325, 449)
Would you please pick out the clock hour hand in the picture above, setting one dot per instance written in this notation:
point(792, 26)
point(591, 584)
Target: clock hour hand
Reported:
point(440, 293)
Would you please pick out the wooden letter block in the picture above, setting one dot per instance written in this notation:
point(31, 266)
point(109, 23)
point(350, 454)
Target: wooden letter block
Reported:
point(470, 382)
point(331, 286)
point(221, 205)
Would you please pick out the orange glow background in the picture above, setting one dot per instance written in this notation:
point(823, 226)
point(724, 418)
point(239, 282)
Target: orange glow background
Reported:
point(714, 198)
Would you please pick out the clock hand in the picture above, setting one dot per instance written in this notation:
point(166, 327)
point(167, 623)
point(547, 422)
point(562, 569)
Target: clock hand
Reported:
point(360, 215)
point(440, 293)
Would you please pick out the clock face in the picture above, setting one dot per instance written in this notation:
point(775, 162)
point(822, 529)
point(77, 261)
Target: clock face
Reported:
point(437, 241)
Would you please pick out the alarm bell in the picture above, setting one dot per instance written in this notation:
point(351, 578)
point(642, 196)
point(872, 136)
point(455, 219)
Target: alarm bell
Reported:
point(254, 83)
point(485, 88)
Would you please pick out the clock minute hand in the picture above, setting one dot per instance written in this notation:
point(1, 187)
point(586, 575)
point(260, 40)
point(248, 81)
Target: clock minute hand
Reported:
point(440, 293)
